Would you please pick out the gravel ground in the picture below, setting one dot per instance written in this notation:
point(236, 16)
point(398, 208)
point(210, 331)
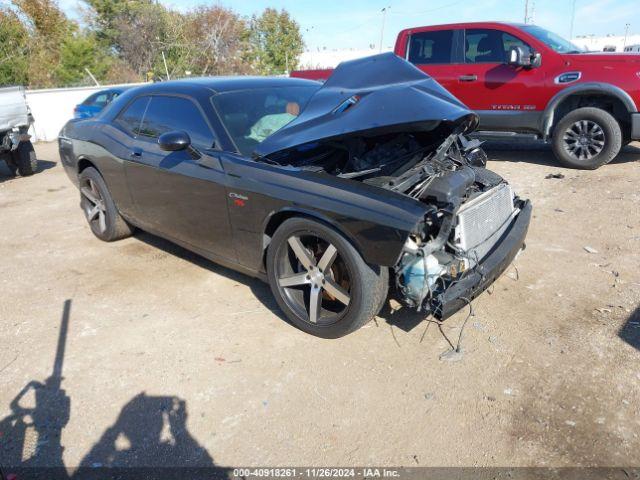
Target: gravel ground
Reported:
point(173, 360)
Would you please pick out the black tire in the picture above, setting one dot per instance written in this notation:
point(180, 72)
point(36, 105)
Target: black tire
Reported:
point(587, 138)
point(100, 211)
point(24, 157)
point(363, 286)
point(10, 165)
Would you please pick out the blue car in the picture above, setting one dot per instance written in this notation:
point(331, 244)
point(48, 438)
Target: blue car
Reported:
point(96, 102)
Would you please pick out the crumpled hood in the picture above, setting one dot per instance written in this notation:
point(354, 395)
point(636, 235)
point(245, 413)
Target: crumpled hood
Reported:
point(378, 94)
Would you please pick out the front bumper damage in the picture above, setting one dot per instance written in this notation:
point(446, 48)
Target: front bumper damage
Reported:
point(478, 279)
point(442, 276)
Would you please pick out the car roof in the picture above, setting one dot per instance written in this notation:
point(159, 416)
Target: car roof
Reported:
point(225, 84)
point(458, 26)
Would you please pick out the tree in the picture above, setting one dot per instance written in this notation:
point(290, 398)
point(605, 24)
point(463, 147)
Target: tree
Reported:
point(79, 53)
point(48, 27)
point(14, 49)
point(275, 42)
point(209, 40)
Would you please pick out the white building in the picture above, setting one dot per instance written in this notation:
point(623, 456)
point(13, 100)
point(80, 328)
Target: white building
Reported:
point(597, 44)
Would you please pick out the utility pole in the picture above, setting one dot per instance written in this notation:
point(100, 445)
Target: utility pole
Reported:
point(626, 33)
point(573, 17)
point(164, 59)
point(529, 7)
point(384, 14)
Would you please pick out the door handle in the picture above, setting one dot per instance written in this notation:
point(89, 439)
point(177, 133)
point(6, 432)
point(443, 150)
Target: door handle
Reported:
point(468, 78)
point(136, 153)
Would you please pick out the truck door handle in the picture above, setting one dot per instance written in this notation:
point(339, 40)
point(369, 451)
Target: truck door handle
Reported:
point(136, 153)
point(468, 78)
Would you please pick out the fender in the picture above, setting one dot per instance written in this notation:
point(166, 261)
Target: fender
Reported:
point(387, 258)
point(583, 88)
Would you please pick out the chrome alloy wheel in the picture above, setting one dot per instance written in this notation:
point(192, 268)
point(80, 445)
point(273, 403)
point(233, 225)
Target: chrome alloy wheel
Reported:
point(313, 279)
point(93, 205)
point(584, 140)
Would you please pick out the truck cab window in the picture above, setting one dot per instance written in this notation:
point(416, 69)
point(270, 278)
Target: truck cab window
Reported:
point(489, 46)
point(431, 47)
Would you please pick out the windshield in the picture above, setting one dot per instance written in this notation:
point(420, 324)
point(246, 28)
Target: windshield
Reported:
point(250, 116)
point(553, 41)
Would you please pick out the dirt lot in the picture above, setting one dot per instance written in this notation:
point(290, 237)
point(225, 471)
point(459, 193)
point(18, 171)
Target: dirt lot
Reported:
point(171, 359)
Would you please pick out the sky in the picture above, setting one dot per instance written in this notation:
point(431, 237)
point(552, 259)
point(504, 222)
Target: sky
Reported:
point(345, 24)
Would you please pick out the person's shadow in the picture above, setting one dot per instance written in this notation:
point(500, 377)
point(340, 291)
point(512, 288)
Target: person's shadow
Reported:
point(151, 431)
point(149, 439)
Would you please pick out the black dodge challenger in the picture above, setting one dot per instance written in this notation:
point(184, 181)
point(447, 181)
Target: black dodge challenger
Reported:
point(334, 193)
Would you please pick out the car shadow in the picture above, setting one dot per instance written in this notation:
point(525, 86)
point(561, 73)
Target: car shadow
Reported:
point(521, 151)
point(630, 331)
point(149, 439)
point(5, 174)
point(260, 289)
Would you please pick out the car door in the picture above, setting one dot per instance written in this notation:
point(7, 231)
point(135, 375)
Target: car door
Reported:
point(180, 195)
point(503, 95)
point(436, 52)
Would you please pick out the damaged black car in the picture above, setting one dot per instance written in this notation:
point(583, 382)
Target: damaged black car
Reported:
point(337, 194)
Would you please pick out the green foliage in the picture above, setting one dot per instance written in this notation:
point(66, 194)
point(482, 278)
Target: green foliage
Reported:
point(77, 53)
point(124, 41)
point(276, 42)
point(14, 55)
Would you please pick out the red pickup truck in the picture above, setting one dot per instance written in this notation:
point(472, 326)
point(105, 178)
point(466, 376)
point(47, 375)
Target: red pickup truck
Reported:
point(523, 79)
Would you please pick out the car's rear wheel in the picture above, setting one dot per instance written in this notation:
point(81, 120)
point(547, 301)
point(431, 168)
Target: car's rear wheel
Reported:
point(99, 209)
point(24, 157)
point(587, 138)
point(320, 281)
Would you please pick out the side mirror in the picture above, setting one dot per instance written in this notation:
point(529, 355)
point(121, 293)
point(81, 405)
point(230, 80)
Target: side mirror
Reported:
point(174, 141)
point(523, 57)
point(536, 60)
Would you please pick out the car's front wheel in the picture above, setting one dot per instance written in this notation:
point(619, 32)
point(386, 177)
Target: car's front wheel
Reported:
point(99, 209)
point(587, 138)
point(320, 281)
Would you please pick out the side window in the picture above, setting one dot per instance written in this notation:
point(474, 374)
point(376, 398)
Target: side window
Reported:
point(97, 100)
point(175, 113)
point(483, 46)
point(431, 47)
point(131, 118)
point(509, 41)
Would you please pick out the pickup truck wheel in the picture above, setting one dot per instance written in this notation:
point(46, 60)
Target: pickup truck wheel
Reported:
point(587, 138)
point(98, 207)
point(25, 159)
point(320, 281)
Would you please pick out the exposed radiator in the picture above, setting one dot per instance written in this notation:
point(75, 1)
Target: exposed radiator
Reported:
point(482, 220)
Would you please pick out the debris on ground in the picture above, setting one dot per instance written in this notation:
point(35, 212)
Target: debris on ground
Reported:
point(603, 310)
point(479, 326)
point(451, 355)
point(589, 249)
point(554, 175)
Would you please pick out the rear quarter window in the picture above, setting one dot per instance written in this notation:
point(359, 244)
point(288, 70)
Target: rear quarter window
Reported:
point(130, 119)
